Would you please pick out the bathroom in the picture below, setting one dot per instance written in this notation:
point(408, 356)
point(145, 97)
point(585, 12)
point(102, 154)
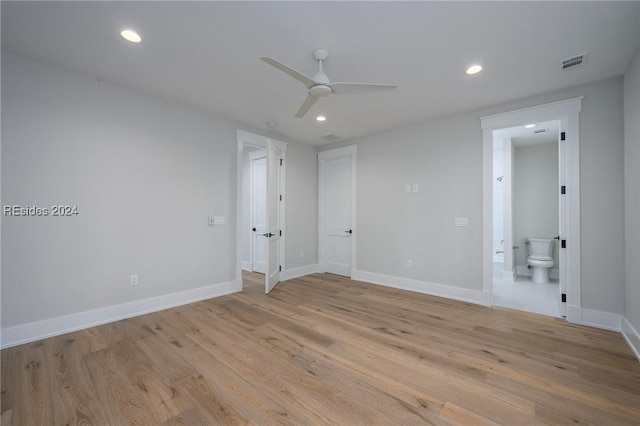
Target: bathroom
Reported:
point(526, 218)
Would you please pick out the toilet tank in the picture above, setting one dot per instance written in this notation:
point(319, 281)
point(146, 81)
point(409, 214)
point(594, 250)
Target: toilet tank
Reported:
point(540, 246)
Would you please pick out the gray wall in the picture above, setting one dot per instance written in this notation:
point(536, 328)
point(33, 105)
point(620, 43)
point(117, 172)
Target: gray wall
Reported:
point(444, 156)
point(145, 174)
point(632, 192)
point(535, 201)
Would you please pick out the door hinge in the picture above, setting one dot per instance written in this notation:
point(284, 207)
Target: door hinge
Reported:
point(563, 190)
point(564, 243)
point(280, 197)
point(281, 160)
point(280, 268)
point(562, 136)
point(564, 298)
point(281, 232)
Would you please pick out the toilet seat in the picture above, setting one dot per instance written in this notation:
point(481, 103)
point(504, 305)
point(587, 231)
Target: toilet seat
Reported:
point(540, 258)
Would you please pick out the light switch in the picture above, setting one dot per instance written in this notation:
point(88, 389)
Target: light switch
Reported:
point(461, 221)
point(415, 187)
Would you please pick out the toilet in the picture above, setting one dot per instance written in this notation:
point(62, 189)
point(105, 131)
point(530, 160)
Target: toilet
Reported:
point(540, 258)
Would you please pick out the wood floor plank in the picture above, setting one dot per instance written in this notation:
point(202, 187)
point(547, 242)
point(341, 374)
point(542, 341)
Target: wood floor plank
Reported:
point(324, 349)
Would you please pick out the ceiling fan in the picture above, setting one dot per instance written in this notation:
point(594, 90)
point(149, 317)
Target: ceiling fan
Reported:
point(320, 86)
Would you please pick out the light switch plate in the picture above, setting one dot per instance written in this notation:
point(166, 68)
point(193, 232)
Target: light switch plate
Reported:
point(461, 221)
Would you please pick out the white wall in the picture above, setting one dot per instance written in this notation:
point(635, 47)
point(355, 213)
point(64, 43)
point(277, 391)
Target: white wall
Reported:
point(536, 204)
point(145, 174)
point(444, 156)
point(631, 325)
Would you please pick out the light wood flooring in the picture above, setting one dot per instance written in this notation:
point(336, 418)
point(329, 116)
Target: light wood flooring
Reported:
point(325, 350)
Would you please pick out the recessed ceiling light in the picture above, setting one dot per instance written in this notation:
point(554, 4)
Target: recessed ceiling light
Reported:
point(131, 36)
point(321, 118)
point(529, 126)
point(474, 69)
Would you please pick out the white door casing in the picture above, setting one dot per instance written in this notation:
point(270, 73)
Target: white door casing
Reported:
point(248, 139)
point(568, 112)
point(337, 210)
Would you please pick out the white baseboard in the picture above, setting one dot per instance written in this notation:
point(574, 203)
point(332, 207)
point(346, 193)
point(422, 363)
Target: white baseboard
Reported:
point(601, 319)
point(247, 265)
point(301, 271)
point(632, 337)
point(509, 276)
point(433, 289)
point(25, 333)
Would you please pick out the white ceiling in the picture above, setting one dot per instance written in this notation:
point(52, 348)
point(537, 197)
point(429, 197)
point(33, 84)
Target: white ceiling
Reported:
point(206, 54)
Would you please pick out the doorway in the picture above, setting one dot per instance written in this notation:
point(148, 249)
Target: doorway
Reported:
point(271, 216)
point(567, 112)
point(526, 201)
point(336, 215)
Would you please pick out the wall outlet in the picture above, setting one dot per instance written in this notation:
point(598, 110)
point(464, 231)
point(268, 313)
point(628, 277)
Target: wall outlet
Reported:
point(461, 221)
point(409, 263)
point(133, 280)
point(407, 188)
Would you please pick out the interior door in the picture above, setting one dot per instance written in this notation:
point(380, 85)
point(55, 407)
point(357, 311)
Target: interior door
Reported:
point(273, 233)
point(259, 211)
point(337, 214)
point(562, 179)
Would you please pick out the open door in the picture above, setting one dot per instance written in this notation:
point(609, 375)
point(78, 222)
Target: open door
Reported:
point(274, 206)
point(562, 179)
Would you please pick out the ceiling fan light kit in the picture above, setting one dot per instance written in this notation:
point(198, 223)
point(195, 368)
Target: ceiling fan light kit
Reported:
point(320, 86)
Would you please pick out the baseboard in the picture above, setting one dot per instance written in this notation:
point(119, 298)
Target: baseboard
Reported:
point(509, 276)
point(301, 271)
point(632, 337)
point(247, 266)
point(25, 333)
point(601, 319)
point(433, 289)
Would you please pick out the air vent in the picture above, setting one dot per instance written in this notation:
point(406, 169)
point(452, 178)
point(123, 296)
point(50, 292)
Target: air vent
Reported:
point(330, 137)
point(535, 132)
point(573, 62)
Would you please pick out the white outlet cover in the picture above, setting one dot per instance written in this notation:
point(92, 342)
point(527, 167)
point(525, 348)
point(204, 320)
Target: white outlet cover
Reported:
point(218, 220)
point(461, 221)
point(415, 187)
point(407, 188)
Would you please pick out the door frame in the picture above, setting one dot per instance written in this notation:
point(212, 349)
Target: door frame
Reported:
point(568, 110)
point(248, 139)
point(323, 156)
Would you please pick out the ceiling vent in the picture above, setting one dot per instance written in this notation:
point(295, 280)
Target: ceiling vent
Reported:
point(330, 137)
point(535, 132)
point(573, 62)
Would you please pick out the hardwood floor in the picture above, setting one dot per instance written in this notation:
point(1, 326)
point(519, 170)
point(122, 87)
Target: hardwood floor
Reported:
point(325, 350)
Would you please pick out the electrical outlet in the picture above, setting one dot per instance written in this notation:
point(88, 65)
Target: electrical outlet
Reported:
point(133, 281)
point(407, 188)
point(409, 263)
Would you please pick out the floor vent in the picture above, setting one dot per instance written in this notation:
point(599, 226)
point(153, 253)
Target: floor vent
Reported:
point(330, 137)
point(573, 62)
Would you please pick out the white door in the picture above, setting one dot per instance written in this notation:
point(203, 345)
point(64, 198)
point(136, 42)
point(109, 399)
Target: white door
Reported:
point(274, 228)
point(259, 211)
point(562, 179)
point(336, 174)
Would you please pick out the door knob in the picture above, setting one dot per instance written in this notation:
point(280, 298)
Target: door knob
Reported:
point(268, 235)
point(348, 232)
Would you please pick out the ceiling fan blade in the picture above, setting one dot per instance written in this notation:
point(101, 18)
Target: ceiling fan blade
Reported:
point(308, 103)
point(307, 81)
point(359, 88)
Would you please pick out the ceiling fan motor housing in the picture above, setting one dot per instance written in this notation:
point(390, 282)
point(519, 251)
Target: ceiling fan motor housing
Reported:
point(320, 90)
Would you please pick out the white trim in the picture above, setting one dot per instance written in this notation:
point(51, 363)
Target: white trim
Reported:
point(245, 138)
point(632, 337)
point(568, 110)
point(601, 319)
point(424, 287)
point(350, 150)
point(25, 333)
point(247, 266)
point(300, 271)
